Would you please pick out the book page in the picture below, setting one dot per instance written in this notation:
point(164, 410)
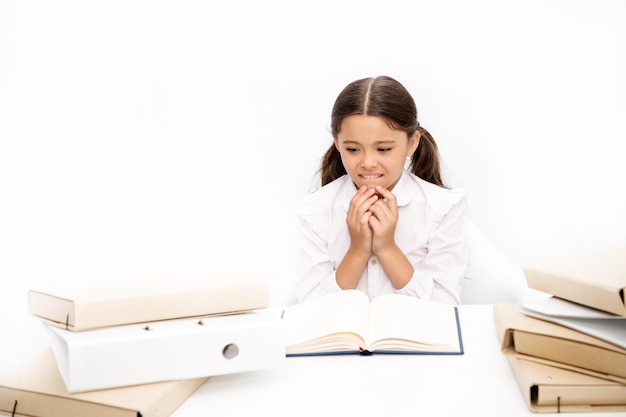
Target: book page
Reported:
point(432, 325)
point(340, 312)
point(596, 323)
point(559, 307)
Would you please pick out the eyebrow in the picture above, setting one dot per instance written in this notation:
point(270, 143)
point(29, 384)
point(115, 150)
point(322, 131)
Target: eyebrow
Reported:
point(379, 142)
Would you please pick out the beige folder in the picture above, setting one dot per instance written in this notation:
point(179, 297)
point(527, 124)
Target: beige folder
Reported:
point(595, 279)
point(550, 389)
point(550, 343)
point(37, 390)
point(103, 303)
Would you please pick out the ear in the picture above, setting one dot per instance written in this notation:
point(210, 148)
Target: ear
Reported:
point(414, 142)
point(336, 144)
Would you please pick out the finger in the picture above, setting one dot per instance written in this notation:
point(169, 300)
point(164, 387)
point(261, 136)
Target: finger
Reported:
point(362, 195)
point(380, 207)
point(362, 202)
point(358, 211)
point(374, 223)
point(363, 232)
point(382, 212)
point(379, 228)
point(357, 201)
point(365, 220)
point(390, 197)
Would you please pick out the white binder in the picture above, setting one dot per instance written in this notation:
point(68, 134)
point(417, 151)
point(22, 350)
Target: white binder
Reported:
point(167, 350)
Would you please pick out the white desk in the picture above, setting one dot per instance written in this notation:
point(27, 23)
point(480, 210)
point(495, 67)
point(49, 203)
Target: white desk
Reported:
point(479, 383)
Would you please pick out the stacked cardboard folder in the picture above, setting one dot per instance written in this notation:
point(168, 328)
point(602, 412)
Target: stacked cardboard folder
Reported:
point(141, 348)
point(568, 352)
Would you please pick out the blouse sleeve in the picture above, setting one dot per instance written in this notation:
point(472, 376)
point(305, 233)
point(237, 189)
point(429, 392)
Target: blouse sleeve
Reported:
point(316, 274)
point(439, 275)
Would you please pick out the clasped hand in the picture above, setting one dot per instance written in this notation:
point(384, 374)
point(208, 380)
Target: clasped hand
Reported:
point(372, 218)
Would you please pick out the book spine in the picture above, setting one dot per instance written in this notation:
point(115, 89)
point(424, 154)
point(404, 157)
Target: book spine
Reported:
point(579, 291)
point(570, 352)
point(22, 402)
point(81, 315)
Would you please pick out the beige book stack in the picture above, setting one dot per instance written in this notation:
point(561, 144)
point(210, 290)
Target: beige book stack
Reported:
point(110, 341)
point(568, 353)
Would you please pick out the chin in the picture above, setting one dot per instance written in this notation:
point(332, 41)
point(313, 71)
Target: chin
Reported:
point(369, 184)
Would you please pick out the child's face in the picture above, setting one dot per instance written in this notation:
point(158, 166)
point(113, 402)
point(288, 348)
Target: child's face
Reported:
point(373, 153)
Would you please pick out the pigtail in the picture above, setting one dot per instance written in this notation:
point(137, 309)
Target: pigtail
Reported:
point(425, 161)
point(332, 167)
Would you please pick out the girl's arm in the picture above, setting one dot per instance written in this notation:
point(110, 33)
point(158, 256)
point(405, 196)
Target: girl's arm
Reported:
point(355, 260)
point(396, 266)
point(350, 270)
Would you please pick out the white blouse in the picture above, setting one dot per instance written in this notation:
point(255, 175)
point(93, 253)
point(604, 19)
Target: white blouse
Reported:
point(430, 232)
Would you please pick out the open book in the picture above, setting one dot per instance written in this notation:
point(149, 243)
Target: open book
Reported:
point(347, 322)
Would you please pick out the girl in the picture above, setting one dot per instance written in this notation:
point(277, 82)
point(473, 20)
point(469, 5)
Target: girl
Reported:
point(373, 225)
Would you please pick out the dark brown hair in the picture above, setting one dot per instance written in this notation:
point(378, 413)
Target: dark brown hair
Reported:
point(386, 98)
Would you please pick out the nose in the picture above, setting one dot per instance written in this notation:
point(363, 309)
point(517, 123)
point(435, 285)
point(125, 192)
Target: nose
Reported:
point(369, 160)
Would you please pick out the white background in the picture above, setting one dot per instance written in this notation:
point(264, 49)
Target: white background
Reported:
point(141, 136)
